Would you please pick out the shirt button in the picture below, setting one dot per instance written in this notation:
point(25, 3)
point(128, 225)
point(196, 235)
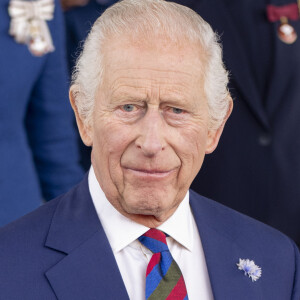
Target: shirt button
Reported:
point(265, 139)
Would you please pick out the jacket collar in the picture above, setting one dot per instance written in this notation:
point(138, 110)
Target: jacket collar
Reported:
point(89, 269)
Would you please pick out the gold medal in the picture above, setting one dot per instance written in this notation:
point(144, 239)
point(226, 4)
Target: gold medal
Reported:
point(286, 31)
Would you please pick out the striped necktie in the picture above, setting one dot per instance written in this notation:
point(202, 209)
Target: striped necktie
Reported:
point(164, 280)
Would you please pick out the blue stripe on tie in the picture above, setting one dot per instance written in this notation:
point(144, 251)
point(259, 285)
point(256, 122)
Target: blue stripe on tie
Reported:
point(166, 261)
point(186, 297)
point(152, 281)
point(154, 245)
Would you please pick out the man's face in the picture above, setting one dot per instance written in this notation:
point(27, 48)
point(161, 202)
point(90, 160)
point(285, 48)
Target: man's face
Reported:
point(150, 129)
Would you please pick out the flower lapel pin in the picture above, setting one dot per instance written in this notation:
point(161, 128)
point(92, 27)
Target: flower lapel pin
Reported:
point(250, 268)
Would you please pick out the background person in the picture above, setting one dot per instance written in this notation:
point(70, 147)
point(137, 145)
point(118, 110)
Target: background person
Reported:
point(38, 152)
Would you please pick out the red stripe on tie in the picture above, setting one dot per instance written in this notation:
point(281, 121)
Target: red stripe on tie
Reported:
point(156, 234)
point(179, 290)
point(153, 262)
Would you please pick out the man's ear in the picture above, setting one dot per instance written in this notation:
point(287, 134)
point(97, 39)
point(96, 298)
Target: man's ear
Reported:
point(214, 135)
point(84, 130)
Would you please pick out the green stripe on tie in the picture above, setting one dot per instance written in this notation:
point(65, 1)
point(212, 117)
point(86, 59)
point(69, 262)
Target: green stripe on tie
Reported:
point(167, 284)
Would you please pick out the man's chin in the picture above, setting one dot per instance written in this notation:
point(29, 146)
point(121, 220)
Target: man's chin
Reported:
point(148, 203)
point(145, 208)
point(149, 216)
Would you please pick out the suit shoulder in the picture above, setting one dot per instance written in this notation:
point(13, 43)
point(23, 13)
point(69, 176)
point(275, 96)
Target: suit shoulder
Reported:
point(24, 256)
point(239, 227)
point(33, 224)
point(238, 236)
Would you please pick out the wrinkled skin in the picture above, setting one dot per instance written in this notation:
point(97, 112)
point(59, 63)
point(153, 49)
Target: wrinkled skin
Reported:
point(150, 129)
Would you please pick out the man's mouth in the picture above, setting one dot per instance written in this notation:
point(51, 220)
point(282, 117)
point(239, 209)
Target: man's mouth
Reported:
point(150, 173)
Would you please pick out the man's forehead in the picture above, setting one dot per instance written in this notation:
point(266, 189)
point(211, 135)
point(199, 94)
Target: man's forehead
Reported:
point(145, 82)
point(128, 48)
point(163, 60)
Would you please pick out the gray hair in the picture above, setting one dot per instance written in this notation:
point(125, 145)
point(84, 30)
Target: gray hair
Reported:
point(154, 17)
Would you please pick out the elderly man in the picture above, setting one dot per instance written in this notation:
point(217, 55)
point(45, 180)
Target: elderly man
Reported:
point(150, 97)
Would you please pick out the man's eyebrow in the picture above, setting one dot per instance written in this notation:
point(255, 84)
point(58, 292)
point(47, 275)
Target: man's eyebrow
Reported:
point(134, 95)
point(174, 97)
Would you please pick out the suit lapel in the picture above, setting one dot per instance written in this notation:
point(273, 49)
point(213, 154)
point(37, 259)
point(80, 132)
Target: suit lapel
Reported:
point(88, 272)
point(222, 252)
point(89, 269)
point(234, 55)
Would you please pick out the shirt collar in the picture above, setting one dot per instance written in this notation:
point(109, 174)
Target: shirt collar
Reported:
point(122, 231)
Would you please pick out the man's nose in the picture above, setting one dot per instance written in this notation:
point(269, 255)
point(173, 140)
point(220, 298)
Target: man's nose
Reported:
point(151, 136)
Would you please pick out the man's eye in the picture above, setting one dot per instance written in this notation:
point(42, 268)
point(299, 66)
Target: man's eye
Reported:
point(128, 107)
point(177, 110)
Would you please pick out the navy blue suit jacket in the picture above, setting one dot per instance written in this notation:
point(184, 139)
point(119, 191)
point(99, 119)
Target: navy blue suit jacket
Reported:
point(38, 148)
point(60, 251)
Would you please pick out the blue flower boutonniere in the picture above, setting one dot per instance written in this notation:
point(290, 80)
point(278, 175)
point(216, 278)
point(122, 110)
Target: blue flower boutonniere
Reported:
point(249, 268)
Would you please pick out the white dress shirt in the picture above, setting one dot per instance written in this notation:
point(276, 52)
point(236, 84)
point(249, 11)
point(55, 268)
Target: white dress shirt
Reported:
point(132, 257)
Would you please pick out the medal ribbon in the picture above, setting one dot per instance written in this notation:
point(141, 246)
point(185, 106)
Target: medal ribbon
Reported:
point(290, 11)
